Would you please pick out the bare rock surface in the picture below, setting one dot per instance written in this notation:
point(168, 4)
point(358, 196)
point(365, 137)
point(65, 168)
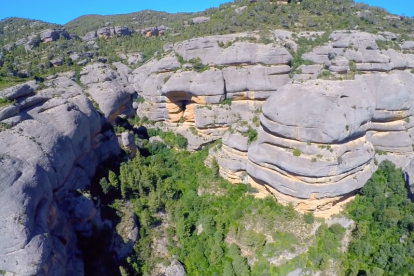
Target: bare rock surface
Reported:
point(49, 150)
point(109, 89)
point(325, 147)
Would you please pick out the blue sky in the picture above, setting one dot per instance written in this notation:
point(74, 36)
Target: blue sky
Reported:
point(64, 10)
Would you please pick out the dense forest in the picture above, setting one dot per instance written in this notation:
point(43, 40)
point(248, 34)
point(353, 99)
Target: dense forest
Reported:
point(215, 228)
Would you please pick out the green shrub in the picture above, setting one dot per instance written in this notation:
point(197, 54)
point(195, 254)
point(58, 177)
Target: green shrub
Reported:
point(256, 121)
point(296, 152)
point(139, 99)
point(309, 218)
point(198, 66)
point(193, 130)
point(5, 102)
point(226, 101)
point(251, 135)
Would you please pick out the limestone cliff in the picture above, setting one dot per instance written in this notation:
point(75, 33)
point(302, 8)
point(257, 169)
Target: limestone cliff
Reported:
point(313, 142)
point(318, 140)
point(51, 141)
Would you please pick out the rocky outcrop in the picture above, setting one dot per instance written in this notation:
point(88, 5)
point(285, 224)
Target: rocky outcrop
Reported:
point(324, 141)
point(131, 58)
point(175, 268)
point(191, 94)
point(153, 31)
point(49, 147)
point(53, 35)
point(108, 89)
point(200, 19)
point(239, 53)
point(352, 51)
point(107, 32)
point(128, 142)
point(89, 36)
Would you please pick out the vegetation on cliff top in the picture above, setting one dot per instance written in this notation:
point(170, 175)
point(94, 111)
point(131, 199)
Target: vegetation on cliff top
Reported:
point(265, 15)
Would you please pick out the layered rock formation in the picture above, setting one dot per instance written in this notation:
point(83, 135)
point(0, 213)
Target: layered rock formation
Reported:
point(109, 89)
point(191, 82)
point(108, 32)
point(320, 147)
point(309, 142)
point(352, 51)
point(319, 139)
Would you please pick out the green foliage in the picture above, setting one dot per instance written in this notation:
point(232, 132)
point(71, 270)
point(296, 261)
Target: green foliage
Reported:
point(327, 243)
point(251, 135)
point(4, 102)
point(139, 99)
point(4, 126)
point(325, 74)
point(352, 66)
point(289, 212)
point(388, 44)
point(256, 121)
point(105, 185)
point(309, 218)
point(305, 46)
point(226, 101)
point(296, 152)
point(383, 240)
point(380, 152)
point(198, 66)
point(166, 186)
point(215, 167)
point(193, 130)
point(170, 138)
point(119, 129)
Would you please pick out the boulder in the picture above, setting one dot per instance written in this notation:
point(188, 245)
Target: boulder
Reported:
point(200, 19)
point(153, 31)
point(166, 64)
point(407, 45)
point(89, 36)
point(109, 89)
point(49, 35)
point(57, 62)
point(17, 91)
point(32, 42)
point(122, 31)
point(105, 32)
point(82, 62)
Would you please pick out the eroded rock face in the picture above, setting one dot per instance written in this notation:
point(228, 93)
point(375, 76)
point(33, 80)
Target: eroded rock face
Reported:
point(109, 89)
point(200, 19)
point(49, 149)
point(316, 141)
point(187, 85)
point(107, 32)
point(210, 52)
point(361, 49)
point(53, 35)
point(321, 144)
